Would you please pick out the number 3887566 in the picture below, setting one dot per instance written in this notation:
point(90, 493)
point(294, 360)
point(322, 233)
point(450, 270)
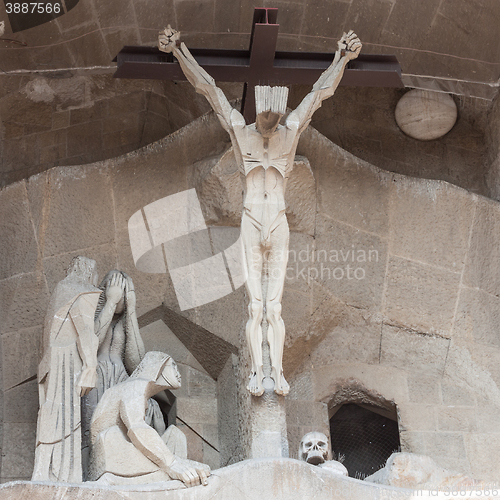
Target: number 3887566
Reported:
point(33, 8)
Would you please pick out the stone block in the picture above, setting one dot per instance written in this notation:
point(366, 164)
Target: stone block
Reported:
point(417, 417)
point(481, 270)
point(21, 403)
point(430, 222)
point(424, 389)
point(201, 385)
point(445, 444)
point(52, 138)
point(482, 452)
point(78, 210)
point(18, 450)
point(353, 336)
point(16, 226)
point(195, 16)
point(122, 138)
point(421, 297)
point(476, 368)
point(350, 263)
point(52, 154)
point(349, 190)
point(454, 418)
point(306, 413)
point(157, 336)
point(486, 357)
point(60, 120)
point(455, 395)
point(23, 301)
point(83, 138)
point(197, 410)
point(97, 112)
point(487, 419)
point(413, 351)
point(20, 356)
point(145, 177)
point(301, 387)
point(477, 317)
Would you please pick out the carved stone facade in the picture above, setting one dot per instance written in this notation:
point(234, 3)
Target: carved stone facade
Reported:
point(417, 330)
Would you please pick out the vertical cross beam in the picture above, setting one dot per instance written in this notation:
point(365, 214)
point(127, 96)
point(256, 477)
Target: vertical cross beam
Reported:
point(262, 52)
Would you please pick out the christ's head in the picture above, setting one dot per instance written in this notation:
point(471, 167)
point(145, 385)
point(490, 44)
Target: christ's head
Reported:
point(270, 106)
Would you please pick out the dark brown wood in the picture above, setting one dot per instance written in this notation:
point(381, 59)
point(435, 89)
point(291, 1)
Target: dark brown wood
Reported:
point(260, 65)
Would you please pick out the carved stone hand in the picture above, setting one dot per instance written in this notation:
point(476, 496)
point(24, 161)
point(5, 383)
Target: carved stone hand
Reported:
point(351, 44)
point(185, 471)
point(87, 380)
point(114, 290)
point(168, 38)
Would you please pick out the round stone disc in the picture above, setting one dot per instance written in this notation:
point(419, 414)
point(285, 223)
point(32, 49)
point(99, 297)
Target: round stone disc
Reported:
point(426, 115)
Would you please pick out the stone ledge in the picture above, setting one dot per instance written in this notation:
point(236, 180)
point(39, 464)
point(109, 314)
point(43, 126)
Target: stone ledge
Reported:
point(285, 479)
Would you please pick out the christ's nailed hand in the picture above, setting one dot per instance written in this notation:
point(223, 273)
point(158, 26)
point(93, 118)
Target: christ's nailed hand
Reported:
point(168, 38)
point(351, 44)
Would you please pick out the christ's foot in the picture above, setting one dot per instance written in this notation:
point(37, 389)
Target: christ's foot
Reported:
point(281, 386)
point(255, 385)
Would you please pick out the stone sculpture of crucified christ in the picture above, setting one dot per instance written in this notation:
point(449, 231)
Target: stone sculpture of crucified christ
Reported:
point(265, 152)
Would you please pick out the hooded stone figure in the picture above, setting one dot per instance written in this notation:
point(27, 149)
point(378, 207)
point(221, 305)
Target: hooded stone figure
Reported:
point(124, 448)
point(66, 372)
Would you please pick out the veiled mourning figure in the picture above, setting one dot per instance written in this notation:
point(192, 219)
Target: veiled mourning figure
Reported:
point(121, 348)
point(67, 372)
point(125, 450)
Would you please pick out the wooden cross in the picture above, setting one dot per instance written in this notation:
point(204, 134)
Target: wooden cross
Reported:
point(260, 65)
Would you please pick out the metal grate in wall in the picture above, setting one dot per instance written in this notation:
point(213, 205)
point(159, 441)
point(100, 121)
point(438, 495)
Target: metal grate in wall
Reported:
point(362, 439)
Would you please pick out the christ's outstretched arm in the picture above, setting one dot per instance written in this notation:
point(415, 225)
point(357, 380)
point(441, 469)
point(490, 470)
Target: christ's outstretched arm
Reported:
point(202, 82)
point(328, 81)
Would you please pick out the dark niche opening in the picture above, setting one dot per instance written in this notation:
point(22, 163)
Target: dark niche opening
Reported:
point(363, 437)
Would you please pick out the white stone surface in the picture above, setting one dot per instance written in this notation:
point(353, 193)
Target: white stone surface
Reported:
point(124, 448)
point(408, 470)
point(264, 479)
point(426, 115)
point(265, 153)
point(67, 372)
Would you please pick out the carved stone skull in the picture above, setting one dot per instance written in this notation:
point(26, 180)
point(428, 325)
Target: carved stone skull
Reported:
point(314, 448)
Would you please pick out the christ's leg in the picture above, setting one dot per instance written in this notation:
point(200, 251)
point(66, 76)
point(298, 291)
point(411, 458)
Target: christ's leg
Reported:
point(253, 260)
point(276, 266)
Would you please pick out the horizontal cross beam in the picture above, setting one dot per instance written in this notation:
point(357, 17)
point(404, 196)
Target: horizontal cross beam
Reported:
point(260, 65)
point(368, 70)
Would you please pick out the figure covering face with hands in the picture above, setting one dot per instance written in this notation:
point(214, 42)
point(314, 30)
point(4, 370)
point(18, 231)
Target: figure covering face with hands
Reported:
point(121, 349)
point(125, 450)
point(67, 372)
point(265, 152)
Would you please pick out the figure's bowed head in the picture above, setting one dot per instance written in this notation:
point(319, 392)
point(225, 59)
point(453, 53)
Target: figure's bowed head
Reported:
point(270, 106)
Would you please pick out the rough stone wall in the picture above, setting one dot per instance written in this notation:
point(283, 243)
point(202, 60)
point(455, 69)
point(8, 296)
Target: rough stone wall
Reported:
point(412, 319)
point(493, 141)
point(69, 119)
point(72, 120)
point(361, 121)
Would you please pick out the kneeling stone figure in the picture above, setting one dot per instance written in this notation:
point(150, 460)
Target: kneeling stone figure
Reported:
point(126, 450)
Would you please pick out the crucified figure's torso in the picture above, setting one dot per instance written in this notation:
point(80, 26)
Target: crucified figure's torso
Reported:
point(265, 152)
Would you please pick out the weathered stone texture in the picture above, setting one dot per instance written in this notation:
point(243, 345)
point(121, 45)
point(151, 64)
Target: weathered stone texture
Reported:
point(421, 296)
point(412, 351)
point(419, 330)
point(430, 222)
point(481, 269)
